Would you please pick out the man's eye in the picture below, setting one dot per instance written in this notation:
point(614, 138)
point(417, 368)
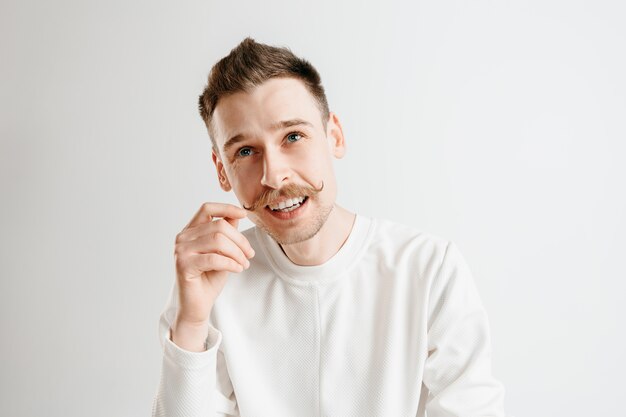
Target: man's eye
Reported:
point(294, 137)
point(244, 152)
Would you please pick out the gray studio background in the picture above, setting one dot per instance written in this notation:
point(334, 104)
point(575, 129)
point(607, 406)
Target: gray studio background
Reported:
point(498, 125)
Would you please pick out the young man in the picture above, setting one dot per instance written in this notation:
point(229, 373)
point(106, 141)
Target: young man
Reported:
point(315, 311)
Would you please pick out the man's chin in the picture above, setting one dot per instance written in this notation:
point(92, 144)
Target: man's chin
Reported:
point(289, 233)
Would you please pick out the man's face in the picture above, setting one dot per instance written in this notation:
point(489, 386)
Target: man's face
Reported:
point(273, 148)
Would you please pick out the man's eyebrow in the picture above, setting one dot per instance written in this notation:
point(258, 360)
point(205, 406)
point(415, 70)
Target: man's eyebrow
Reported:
point(288, 123)
point(275, 126)
point(233, 141)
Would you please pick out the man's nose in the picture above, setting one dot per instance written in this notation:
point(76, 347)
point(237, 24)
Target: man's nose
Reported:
point(276, 170)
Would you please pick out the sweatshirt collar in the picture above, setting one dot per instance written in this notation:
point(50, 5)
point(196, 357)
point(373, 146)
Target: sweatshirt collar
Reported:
point(330, 270)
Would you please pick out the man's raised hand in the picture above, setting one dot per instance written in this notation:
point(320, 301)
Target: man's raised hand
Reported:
point(206, 251)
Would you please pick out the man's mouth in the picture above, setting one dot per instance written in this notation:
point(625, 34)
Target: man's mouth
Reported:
point(292, 208)
point(288, 205)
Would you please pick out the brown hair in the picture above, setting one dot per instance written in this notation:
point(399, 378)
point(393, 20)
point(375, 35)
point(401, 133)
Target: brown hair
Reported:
point(250, 64)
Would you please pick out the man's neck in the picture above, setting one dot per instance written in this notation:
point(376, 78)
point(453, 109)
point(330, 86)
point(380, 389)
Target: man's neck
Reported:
point(326, 243)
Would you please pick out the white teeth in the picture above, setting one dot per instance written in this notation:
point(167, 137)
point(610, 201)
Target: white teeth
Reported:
point(287, 203)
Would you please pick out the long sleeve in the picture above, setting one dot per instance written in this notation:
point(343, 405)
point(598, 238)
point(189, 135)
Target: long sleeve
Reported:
point(193, 384)
point(457, 372)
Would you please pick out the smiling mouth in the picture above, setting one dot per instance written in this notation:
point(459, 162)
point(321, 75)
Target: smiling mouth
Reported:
point(290, 208)
point(289, 213)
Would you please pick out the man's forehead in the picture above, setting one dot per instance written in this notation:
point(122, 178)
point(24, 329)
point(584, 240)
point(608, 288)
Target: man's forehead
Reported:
point(274, 104)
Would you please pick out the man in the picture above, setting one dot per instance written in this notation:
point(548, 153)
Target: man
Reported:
point(315, 311)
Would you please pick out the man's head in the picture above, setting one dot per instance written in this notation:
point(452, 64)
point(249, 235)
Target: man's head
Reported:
point(249, 65)
point(273, 138)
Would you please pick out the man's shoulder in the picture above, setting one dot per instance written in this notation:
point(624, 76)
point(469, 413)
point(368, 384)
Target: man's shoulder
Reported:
point(406, 247)
point(402, 233)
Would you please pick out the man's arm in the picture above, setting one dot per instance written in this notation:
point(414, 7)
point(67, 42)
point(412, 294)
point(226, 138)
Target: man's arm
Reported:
point(192, 383)
point(457, 372)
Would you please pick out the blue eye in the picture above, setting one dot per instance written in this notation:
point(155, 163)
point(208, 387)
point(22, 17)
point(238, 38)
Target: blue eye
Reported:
point(244, 152)
point(291, 135)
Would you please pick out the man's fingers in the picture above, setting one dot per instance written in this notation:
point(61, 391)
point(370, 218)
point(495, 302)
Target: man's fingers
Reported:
point(220, 226)
point(233, 222)
point(209, 210)
point(214, 262)
point(220, 244)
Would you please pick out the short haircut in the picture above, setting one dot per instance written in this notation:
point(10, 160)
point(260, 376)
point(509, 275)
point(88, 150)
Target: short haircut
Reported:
point(250, 64)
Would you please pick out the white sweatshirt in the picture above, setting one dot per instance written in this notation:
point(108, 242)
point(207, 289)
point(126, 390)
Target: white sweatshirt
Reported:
point(391, 326)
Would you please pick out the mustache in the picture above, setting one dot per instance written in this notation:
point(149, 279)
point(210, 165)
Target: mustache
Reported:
point(288, 191)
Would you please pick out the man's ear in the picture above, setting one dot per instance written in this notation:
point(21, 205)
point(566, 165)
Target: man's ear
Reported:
point(334, 132)
point(221, 172)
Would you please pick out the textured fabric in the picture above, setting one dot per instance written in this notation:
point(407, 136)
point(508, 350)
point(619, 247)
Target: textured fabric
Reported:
point(392, 325)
